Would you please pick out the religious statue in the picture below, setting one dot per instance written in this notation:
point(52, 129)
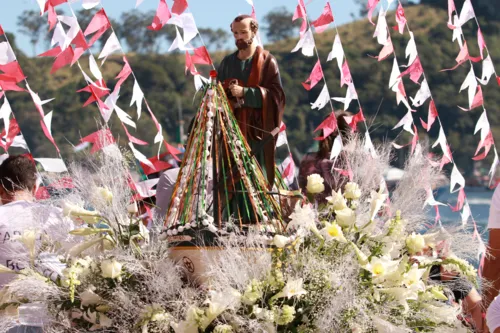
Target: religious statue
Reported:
point(252, 82)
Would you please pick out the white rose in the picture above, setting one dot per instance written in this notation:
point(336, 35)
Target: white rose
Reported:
point(415, 243)
point(280, 241)
point(352, 191)
point(105, 194)
point(315, 184)
point(132, 208)
point(111, 269)
point(337, 200)
point(345, 217)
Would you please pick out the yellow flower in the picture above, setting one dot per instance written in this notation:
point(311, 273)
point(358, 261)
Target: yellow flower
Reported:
point(333, 231)
point(105, 194)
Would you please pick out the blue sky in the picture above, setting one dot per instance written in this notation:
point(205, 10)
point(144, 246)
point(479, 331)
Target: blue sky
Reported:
point(208, 13)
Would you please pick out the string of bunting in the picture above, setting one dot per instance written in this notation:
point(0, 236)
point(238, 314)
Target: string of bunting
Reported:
point(66, 54)
point(9, 80)
point(475, 92)
point(308, 48)
point(415, 71)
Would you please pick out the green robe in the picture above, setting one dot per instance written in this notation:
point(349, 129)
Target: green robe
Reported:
point(232, 67)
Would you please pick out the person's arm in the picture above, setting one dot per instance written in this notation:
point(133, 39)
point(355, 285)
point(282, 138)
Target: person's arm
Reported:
point(164, 192)
point(472, 306)
point(491, 270)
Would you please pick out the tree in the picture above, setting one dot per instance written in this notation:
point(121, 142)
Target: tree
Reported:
point(363, 10)
point(214, 39)
point(138, 37)
point(279, 24)
point(31, 24)
point(485, 8)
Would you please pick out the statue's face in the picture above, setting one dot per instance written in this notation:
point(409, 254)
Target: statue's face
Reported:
point(242, 32)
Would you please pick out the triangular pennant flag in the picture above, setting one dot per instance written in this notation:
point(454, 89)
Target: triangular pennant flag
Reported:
point(315, 76)
point(337, 52)
point(353, 121)
point(179, 6)
point(441, 141)
point(322, 100)
point(431, 201)
point(345, 75)
point(371, 5)
point(52, 164)
point(456, 179)
point(471, 83)
point(494, 165)
point(451, 9)
point(306, 43)
point(161, 17)
point(460, 201)
point(124, 73)
point(329, 125)
point(467, 12)
point(201, 56)
point(137, 97)
point(140, 157)
point(336, 148)
point(98, 22)
point(423, 94)
point(486, 144)
point(411, 50)
point(187, 23)
point(190, 65)
point(400, 18)
point(386, 51)
point(288, 170)
point(133, 138)
point(381, 31)
point(483, 125)
point(281, 140)
point(477, 101)
point(112, 45)
point(7, 54)
point(351, 94)
point(99, 139)
point(158, 164)
point(63, 59)
point(432, 115)
point(324, 19)
point(481, 42)
point(415, 71)
point(406, 122)
point(488, 71)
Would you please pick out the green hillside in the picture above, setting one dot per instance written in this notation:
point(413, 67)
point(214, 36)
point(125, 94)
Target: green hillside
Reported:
point(167, 88)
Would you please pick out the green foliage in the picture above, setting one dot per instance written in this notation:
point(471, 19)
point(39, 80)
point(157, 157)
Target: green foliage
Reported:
point(279, 25)
point(169, 91)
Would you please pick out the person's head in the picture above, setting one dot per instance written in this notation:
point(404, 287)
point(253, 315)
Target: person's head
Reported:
point(244, 29)
point(325, 146)
point(17, 174)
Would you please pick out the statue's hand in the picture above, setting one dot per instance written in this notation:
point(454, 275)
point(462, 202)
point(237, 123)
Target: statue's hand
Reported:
point(236, 90)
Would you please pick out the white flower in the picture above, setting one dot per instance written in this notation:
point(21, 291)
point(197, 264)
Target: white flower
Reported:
point(190, 325)
point(292, 289)
point(413, 278)
point(401, 295)
point(28, 238)
point(72, 210)
point(315, 184)
point(337, 200)
point(88, 297)
point(345, 217)
point(303, 219)
point(441, 314)
point(111, 268)
point(415, 243)
point(223, 329)
point(218, 303)
point(381, 267)
point(332, 231)
point(377, 202)
point(105, 194)
point(280, 241)
point(132, 208)
point(352, 191)
point(362, 258)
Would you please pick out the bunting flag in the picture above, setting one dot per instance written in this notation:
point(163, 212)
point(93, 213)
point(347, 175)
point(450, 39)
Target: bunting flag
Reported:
point(300, 12)
point(371, 5)
point(400, 19)
point(162, 16)
point(97, 26)
point(201, 56)
point(324, 19)
point(179, 6)
point(329, 125)
point(288, 170)
point(315, 76)
point(99, 139)
point(282, 139)
point(306, 44)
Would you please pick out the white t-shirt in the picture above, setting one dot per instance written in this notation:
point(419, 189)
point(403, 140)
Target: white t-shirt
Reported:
point(493, 315)
point(20, 216)
point(494, 218)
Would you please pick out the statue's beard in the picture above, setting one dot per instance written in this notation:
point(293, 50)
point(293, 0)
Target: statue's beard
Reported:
point(242, 44)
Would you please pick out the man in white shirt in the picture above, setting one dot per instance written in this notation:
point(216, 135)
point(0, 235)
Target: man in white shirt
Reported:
point(491, 270)
point(19, 214)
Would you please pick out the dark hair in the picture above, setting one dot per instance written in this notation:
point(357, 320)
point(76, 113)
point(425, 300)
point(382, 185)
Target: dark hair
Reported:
point(17, 172)
point(254, 26)
point(326, 145)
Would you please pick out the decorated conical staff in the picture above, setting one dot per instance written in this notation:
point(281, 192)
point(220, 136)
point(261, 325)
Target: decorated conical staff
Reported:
point(220, 180)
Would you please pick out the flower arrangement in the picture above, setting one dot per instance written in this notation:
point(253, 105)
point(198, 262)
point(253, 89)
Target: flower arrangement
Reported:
point(354, 264)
